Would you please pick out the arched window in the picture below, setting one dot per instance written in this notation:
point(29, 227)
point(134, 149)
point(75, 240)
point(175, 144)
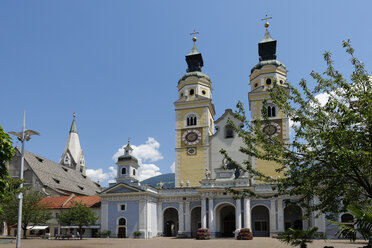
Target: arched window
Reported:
point(229, 131)
point(134, 172)
point(268, 81)
point(122, 222)
point(347, 218)
point(191, 120)
point(271, 111)
point(123, 171)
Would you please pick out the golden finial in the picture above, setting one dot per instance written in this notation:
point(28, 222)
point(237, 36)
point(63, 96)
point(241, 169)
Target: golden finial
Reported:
point(267, 24)
point(74, 115)
point(194, 33)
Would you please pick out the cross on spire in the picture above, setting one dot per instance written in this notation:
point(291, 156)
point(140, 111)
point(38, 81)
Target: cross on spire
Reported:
point(265, 19)
point(194, 33)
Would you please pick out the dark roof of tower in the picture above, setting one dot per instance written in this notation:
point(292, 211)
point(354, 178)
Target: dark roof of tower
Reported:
point(194, 60)
point(127, 158)
point(267, 52)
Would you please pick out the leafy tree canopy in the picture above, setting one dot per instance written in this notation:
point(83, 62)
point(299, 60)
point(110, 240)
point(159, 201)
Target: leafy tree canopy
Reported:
point(33, 212)
point(6, 154)
point(329, 158)
point(79, 215)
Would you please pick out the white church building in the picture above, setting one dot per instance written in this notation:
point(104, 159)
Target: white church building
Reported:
point(199, 197)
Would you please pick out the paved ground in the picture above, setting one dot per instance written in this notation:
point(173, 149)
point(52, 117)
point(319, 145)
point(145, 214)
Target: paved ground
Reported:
point(176, 243)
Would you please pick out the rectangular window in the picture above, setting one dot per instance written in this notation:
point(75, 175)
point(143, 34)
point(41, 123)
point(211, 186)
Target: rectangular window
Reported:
point(122, 207)
point(57, 215)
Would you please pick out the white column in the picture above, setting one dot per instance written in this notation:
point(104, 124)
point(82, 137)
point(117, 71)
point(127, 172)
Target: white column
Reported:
point(104, 215)
point(159, 208)
point(247, 213)
point(272, 216)
point(211, 225)
point(187, 218)
point(142, 217)
point(238, 214)
point(319, 219)
point(180, 218)
point(203, 213)
point(280, 216)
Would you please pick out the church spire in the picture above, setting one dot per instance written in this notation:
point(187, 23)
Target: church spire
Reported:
point(267, 47)
point(194, 58)
point(73, 156)
point(73, 128)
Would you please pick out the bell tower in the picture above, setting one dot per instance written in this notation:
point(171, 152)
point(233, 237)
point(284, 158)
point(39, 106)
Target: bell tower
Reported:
point(263, 76)
point(194, 121)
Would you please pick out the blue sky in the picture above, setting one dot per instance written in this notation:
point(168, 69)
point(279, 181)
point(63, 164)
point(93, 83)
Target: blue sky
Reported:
point(117, 64)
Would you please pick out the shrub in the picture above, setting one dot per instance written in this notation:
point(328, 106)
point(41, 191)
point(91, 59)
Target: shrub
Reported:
point(106, 233)
point(137, 234)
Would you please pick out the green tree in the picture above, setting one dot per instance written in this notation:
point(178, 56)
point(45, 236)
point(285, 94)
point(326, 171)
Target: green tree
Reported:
point(79, 215)
point(362, 224)
point(33, 212)
point(300, 238)
point(9, 202)
point(330, 155)
point(6, 154)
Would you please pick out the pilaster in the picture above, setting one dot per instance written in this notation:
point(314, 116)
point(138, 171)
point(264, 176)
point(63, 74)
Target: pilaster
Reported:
point(272, 217)
point(159, 208)
point(280, 216)
point(187, 219)
point(181, 226)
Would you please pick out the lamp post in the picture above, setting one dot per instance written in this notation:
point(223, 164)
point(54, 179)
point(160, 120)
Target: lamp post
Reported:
point(23, 136)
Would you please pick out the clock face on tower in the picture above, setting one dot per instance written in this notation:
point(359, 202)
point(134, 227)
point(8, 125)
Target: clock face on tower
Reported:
point(272, 129)
point(191, 137)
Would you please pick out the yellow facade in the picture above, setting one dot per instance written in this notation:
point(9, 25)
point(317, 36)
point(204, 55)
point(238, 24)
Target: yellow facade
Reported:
point(190, 167)
point(257, 96)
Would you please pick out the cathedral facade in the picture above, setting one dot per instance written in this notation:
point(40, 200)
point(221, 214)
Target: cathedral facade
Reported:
point(199, 198)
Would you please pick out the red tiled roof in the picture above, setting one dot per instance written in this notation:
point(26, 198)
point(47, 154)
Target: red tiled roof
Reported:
point(67, 201)
point(90, 201)
point(54, 202)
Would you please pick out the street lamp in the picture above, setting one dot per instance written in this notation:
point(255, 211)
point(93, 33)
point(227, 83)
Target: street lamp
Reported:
point(23, 136)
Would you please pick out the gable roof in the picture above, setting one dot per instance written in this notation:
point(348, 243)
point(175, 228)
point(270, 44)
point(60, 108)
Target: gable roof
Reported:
point(59, 178)
point(117, 186)
point(227, 111)
point(68, 201)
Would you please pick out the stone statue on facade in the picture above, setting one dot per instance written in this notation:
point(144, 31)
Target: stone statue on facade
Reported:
point(207, 174)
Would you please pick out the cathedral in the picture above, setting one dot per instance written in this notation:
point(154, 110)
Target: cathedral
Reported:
point(199, 198)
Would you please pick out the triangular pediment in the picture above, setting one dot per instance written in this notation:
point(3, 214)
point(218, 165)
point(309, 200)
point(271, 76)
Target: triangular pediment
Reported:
point(121, 188)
